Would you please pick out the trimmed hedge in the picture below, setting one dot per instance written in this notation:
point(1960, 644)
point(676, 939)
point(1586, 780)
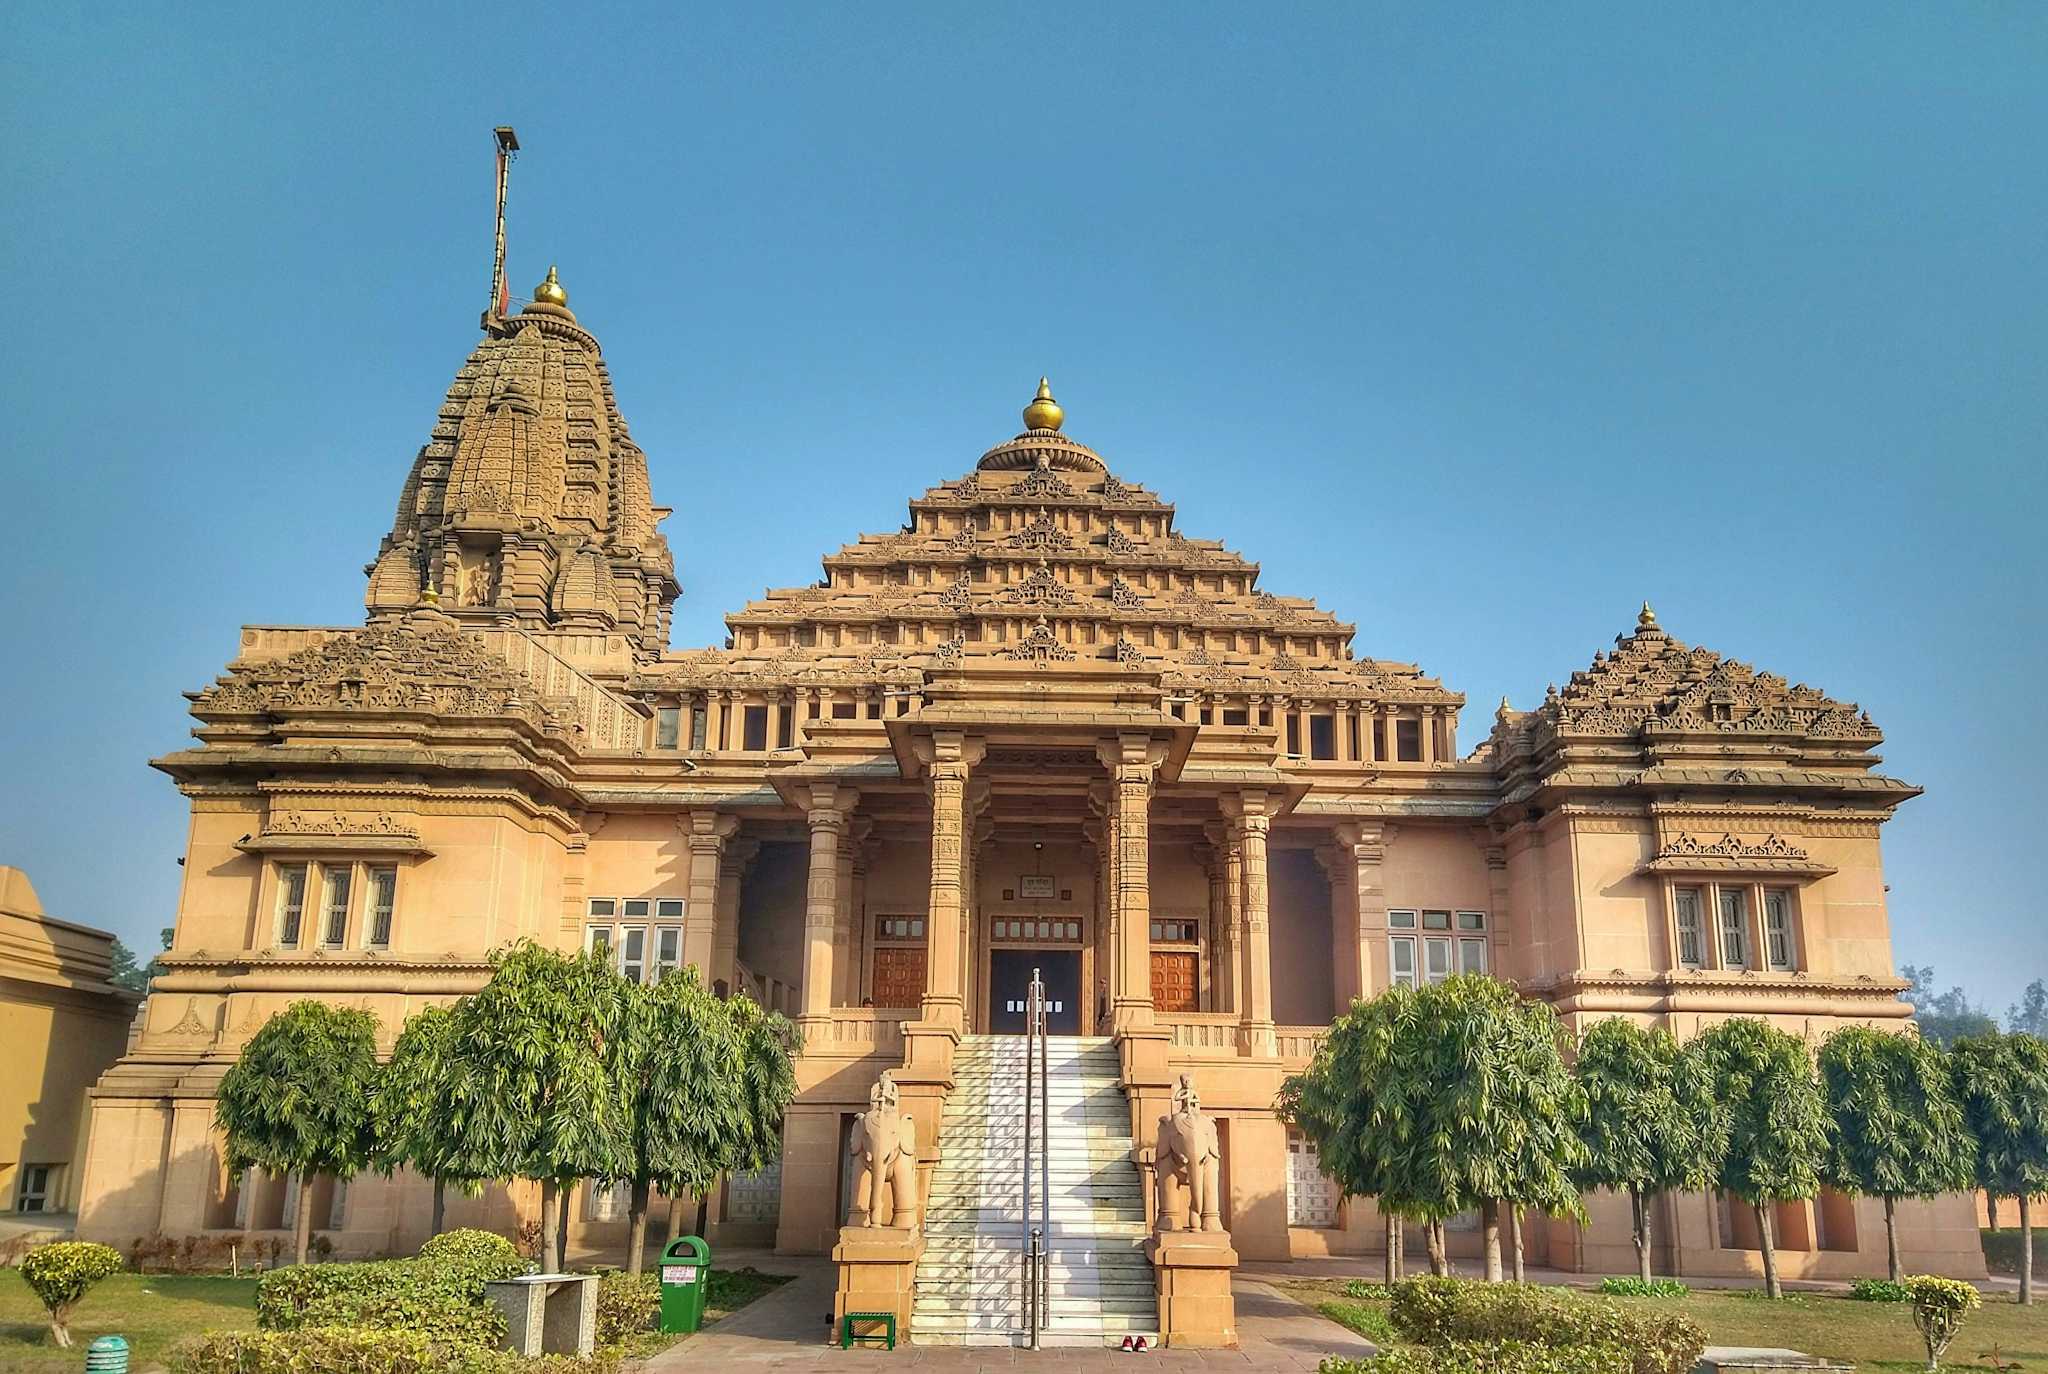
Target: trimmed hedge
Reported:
point(1486, 1357)
point(1880, 1290)
point(429, 1297)
point(363, 1350)
point(1440, 1313)
point(475, 1249)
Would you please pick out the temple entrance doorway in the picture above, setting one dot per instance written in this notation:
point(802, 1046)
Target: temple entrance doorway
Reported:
point(1009, 988)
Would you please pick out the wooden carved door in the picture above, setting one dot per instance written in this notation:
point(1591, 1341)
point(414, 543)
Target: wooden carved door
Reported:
point(1173, 980)
point(899, 975)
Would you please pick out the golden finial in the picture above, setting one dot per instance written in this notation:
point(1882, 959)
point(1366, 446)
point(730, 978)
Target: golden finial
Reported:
point(1648, 619)
point(430, 596)
point(550, 292)
point(1043, 412)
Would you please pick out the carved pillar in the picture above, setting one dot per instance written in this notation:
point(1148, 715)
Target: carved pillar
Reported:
point(1250, 823)
point(1368, 846)
point(844, 975)
point(725, 938)
point(1223, 881)
point(1498, 924)
point(827, 810)
point(861, 851)
point(1339, 867)
point(1132, 760)
point(949, 760)
point(706, 833)
point(979, 833)
point(1100, 958)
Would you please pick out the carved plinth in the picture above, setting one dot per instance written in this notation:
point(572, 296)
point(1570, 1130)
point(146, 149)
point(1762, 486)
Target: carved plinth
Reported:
point(877, 1269)
point(1192, 1270)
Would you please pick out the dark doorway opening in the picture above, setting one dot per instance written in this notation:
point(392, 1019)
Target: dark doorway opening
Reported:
point(1009, 989)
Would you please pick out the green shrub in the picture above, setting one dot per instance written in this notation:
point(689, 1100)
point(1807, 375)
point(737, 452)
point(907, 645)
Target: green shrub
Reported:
point(475, 1249)
point(1369, 1322)
point(1486, 1357)
point(1366, 1292)
point(1633, 1286)
point(1879, 1290)
point(627, 1304)
point(1442, 1312)
point(362, 1350)
point(428, 1297)
point(1939, 1307)
point(63, 1273)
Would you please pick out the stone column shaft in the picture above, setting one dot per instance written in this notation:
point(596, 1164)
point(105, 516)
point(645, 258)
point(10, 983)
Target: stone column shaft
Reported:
point(949, 762)
point(827, 816)
point(1250, 823)
point(706, 833)
point(1132, 760)
point(725, 939)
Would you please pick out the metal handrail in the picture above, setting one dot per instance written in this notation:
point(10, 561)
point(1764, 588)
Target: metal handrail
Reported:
point(1037, 1257)
point(1027, 1236)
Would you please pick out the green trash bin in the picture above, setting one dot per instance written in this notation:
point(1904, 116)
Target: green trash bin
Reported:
point(685, 1274)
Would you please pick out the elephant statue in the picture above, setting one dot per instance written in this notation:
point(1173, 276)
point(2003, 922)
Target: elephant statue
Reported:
point(1187, 1152)
point(885, 1138)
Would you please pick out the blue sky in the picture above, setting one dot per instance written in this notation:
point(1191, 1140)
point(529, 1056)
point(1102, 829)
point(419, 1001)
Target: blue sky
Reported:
point(1480, 325)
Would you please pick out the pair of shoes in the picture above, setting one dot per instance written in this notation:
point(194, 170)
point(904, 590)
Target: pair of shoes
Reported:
point(1135, 1343)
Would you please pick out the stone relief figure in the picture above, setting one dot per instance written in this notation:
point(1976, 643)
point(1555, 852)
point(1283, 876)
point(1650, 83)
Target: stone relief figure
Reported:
point(885, 1138)
point(1187, 1154)
point(476, 585)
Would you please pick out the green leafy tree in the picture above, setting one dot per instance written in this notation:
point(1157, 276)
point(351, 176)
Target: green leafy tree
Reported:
point(298, 1101)
point(416, 1103)
point(1943, 1017)
point(1894, 1127)
point(1464, 1101)
point(2029, 1015)
point(537, 1092)
point(126, 972)
point(2002, 1083)
point(1645, 1128)
point(1329, 1103)
point(60, 1275)
point(710, 1079)
point(1768, 1116)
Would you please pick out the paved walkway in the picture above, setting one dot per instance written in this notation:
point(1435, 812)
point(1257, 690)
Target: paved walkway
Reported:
point(788, 1329)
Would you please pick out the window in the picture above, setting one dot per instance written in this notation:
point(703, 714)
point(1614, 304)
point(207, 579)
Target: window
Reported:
point(844, 710)
point(1322, 737)
point(337, 1206)
point(1351, 729)
point(334, 927)
point(646, 939)
point(1734, 928)
point(1293, 734)
point(1379, 737)
point(1692, 952)
point(1236, 715)
point(291, 903)
point(1778, 927)
point(1402, 961)
point(667, 726)
point(607, 1201)
point(754, 729)
point(1471, 955)
point(1401, 920)
point(1174, 932)
point(697, 725)
point(1312, 1196)
point(1471, 920)
point(383, 898)
point(1038, 930)
point(32, 1193)
point(899, 927)
point(1408, 741)
point(1436, 920)
point(754, 1194)
point(785, 729)
point(1436, 958)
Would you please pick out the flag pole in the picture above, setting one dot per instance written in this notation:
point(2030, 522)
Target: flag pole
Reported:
point(501, 299)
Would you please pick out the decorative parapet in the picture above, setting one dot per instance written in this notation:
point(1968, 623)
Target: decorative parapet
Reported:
point(1685, 854)
point(856, 1032)
point(331, 832)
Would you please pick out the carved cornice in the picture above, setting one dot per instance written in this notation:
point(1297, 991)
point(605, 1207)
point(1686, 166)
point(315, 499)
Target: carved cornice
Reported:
point(1684, 854)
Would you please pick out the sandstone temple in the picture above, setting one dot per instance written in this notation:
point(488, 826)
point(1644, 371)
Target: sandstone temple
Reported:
point(1038, 727)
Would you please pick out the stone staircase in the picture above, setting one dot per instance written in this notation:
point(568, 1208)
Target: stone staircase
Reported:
point(970, 1283)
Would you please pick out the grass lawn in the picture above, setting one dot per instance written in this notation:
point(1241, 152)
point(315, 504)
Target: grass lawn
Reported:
point(1868, 1334)
point(154, 1311)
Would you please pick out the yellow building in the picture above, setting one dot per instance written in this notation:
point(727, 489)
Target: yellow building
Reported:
point(63, 1025)
point(1037, 727)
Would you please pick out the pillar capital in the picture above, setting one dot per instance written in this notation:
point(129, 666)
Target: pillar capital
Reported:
point(949, 753)
point(707, 830)
point(1132, 756)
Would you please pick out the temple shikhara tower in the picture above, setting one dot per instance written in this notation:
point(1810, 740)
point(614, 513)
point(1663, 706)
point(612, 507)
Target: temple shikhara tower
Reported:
point(1038, 727)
